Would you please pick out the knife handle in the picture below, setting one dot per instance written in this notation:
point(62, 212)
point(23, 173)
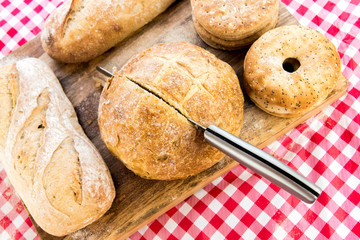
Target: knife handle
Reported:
point(262, 163)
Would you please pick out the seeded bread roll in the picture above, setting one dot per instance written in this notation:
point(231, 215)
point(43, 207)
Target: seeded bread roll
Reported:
point(143, 110)
point(52, 165)
point(290, 70)
point(80, 30)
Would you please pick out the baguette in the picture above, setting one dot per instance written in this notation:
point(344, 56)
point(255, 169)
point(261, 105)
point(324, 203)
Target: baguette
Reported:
point(52, 165)
point(80, 30)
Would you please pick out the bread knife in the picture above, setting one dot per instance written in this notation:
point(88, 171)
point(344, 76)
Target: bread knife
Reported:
point(256, 159)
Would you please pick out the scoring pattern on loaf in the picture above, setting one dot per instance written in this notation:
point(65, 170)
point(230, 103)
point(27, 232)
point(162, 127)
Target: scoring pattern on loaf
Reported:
point(143, 110)
point(30, 138)
point(9, 91)
point(64, 190)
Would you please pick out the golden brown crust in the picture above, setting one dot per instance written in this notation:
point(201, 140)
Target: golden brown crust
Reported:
point(223, 44)
point(52, 165)
point(288, 94)
point(152, 138)
point(234, 19)
point(80, 30)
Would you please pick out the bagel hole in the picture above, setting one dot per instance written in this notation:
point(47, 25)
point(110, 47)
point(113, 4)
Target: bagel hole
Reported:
point(291, 65)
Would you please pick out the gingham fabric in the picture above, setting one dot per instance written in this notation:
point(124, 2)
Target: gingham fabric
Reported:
point(241, 204)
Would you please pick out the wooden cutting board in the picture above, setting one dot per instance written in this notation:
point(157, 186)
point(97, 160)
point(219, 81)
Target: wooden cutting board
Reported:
point(139, 201)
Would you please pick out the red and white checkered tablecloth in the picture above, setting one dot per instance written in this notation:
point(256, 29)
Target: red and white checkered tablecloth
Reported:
point(241, 204)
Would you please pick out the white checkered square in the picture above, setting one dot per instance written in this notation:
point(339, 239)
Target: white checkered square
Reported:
point(170, 225)
point(215, 205)
point(261, 186)
point(343, 5)
point(328, 110)
point(4, 13)
point(49, 8)
point(13, 21)
point(294, 217)
point(24, 31)
point(12, 44)
point(332, 137)
point(349, 151)
point(335, 167)
point(311, 232)
point(2, 33)
point(246, 203)
point(26, 10)
point(322, 182)
point(4, 235)
point(217, 235)
point(158, 238)
point(274, 146)
point(279, 233)
point(305, 169)
point(315, 8)
point(263, 218)
point(289, 156)
point(325, 214)
point(353, 182)
point(278, 201)
point(315, 125)
point(143, 229)
point(230, 189)
point(217, 181)
point(319, 152)
point(245, 175)
point(339, 198)
point(342, 231)
point(200, 194)
point(249, 235)
point(301, 140)
point(6, 208)
point(201, 222)
point(232, 220)
point(346, 27)
point(345, 121)
point(355, 213)
point(185, 208)
point(29, 234)
point(18, 221)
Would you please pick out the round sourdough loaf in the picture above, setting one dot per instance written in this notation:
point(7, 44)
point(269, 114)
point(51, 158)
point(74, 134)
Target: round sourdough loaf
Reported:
point(143, 110)
point(290, 70)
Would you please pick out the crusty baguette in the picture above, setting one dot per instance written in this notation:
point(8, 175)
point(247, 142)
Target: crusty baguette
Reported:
point(52, 165)
point(80, 30)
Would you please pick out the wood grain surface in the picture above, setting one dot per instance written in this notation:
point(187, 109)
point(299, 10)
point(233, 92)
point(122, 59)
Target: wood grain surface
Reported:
point(140, 201)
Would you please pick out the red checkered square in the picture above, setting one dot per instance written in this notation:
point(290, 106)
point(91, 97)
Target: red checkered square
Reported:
point(356, 229)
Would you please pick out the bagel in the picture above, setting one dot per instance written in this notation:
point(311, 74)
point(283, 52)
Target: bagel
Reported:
point(290, 70)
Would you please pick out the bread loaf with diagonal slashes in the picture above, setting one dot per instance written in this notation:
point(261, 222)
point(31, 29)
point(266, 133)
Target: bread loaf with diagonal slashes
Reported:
point(53, 166)
point(80, 30)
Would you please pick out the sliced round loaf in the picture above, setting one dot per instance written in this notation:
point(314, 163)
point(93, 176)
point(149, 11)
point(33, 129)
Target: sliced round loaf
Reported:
point(144, 109)
point(223, 44)
point(234, 19)
point(290, 70)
